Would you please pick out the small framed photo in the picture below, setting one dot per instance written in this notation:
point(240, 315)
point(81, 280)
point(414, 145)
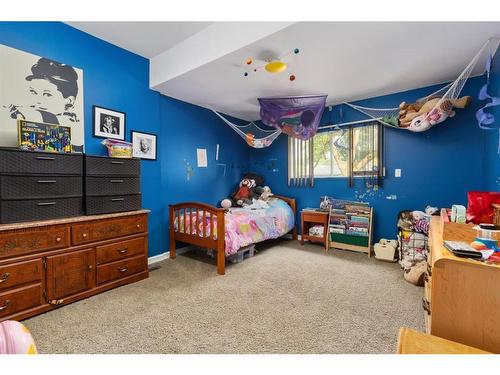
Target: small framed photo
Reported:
point(143, 145)
point(109, 123)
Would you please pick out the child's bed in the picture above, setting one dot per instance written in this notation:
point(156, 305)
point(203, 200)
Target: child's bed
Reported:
point(210, 227)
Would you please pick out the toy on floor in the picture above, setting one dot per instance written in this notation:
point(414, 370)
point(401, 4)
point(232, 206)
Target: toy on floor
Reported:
point(15, 338)
point(386, 250)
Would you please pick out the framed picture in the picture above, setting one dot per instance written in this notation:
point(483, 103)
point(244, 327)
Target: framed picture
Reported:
point(143, 145)
point(109, 123)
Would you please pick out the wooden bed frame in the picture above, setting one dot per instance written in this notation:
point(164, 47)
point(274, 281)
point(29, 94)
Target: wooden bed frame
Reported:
point(193, 237)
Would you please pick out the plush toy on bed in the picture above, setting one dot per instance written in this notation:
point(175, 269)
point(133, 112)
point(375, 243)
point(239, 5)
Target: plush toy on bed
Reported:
point(266, 194)
point(246, 191)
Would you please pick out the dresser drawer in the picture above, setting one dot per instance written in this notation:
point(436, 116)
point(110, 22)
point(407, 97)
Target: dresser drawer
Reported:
point(20, 273)
point(20, 299)
point(104, 166)
point(34, 240)
point(116, 270)
point(314, 218)
point(111, 204)
point(39, 209)
point(25, 162)
point(106, 229)
point(120, 250)
point(35, 187)
point(99, 186)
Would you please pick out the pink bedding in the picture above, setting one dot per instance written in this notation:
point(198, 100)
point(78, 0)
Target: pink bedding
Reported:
point(244, 226)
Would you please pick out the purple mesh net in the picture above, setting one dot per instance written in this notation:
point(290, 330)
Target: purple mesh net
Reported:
point(296, 116)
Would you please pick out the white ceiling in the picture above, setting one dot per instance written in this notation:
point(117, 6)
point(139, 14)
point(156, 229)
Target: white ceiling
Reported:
point(147, 39)
point(346, 60)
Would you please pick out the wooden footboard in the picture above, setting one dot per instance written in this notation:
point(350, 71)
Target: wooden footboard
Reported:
point(188, 232)
point(209, 235)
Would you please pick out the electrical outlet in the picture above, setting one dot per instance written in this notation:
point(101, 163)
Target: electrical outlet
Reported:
point(397, 172)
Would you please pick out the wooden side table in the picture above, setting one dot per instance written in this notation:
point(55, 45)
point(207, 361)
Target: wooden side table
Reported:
point(311, 218)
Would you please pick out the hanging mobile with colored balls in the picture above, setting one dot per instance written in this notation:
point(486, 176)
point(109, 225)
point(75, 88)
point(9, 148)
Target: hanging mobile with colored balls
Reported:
point(273, 65)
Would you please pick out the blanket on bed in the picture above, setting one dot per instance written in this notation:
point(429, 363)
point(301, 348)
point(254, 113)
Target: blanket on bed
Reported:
point(243, 226)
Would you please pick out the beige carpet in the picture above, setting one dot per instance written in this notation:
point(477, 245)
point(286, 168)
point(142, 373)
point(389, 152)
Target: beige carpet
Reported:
point(286, 299)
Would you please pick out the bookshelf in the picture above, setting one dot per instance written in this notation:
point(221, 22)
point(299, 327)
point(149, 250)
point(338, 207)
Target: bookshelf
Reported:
point(350, 226)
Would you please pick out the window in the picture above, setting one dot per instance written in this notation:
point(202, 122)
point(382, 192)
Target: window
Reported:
point(336, 156)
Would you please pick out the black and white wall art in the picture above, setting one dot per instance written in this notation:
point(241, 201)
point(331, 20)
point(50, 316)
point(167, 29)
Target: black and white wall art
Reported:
point(143, 145)
point(38, 89)
point(109, 123)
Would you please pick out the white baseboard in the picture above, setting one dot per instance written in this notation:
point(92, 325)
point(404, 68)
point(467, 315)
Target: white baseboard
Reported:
point(158, 258)
point(166, 255)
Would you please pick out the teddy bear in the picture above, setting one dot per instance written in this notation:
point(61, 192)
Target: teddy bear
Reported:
point(247, 191)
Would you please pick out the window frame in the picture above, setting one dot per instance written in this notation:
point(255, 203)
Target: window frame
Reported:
point(361, 174)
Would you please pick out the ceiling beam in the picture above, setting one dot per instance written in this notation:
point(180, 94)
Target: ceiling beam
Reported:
point(213, 42)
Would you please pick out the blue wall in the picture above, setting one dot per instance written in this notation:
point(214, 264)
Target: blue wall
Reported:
point(118, 79)
point(438, 166)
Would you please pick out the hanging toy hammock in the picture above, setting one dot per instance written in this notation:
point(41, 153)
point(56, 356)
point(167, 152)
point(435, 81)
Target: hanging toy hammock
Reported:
point(296, 116)
point(430, 110)
point(254, 136)
point(486, 120)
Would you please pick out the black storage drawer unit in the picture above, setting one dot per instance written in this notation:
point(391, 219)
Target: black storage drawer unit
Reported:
point(104, 166)
point(98, 186)
point(13, 161)
point(116, 203)
point(35, 187)
point(112, 185)
point(14, 211)
point(39, 185)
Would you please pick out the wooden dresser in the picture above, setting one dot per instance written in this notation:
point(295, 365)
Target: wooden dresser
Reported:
point(462, 296)
point(46, 264)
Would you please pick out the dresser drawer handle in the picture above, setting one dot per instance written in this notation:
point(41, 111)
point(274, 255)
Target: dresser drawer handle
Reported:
point(45, 158)
point(124, 269)
point(117, 162)
point(116, 181)
point(138, 226)
point(46, 204)
point(46, 181)
point(117, 199)
point(58, 239)
point(84, 235)
point(426, 306)
point(5, 305)
point(4, 277)
point(123, 251)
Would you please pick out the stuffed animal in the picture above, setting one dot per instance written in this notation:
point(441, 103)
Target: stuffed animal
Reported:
point(226, 204)
point(415, 274)
point(244, 194)
point(422, 115)
point(266, 194)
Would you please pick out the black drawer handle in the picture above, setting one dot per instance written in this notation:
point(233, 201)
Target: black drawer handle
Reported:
point(5, 305)
point(45, 158)
point(4, 277)
point(117, 199)
point(46, 204)
point(117, 162)
point(116, 181)
point(46, 181)
point(123, 251)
